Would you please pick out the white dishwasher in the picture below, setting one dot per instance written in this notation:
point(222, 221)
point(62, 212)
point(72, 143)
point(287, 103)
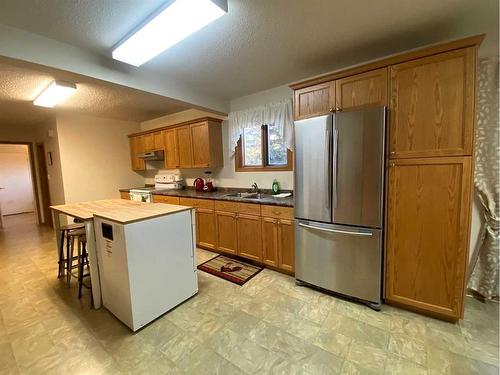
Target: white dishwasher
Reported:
point(146, 267)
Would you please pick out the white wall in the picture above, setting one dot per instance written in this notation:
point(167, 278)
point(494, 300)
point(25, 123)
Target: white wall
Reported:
point(17, 194)
point(227, 176)
point(47, 134)
point(95, 157)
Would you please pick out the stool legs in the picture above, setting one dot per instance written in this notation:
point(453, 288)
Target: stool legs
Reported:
point(82, 259)
point(70, 244)
point(60, 262)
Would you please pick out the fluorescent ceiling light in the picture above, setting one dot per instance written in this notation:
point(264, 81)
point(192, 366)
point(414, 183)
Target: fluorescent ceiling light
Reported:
point(174, 23)
point(55, 93)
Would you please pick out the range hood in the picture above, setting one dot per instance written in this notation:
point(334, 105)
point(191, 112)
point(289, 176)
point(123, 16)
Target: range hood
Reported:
point(151, 155)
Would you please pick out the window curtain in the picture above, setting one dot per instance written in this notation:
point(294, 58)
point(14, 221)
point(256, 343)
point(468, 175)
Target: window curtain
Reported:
point(485, 260)
point(277, 113)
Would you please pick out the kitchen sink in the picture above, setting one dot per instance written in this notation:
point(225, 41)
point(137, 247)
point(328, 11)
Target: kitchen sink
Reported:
point(246, 195)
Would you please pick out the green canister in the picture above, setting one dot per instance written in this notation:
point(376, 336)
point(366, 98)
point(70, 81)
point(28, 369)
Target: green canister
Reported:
point(276, 187)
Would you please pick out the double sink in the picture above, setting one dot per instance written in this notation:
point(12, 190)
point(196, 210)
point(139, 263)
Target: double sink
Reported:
point(250, 196)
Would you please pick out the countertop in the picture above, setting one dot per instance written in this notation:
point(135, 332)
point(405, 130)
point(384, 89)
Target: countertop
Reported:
point(118, 210)
point(221, 194)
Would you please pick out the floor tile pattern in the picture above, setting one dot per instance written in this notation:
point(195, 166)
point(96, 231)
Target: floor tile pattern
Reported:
point(267, 326)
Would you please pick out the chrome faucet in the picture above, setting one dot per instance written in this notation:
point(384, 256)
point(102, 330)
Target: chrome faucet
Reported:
point(255, 187)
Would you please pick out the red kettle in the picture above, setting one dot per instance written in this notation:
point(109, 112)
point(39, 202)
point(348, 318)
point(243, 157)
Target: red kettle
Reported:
point(198, 184)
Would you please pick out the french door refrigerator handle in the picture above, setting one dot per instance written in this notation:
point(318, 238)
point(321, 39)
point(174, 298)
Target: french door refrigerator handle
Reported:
point(365, 234)
point(335, 161)
point(327, 168)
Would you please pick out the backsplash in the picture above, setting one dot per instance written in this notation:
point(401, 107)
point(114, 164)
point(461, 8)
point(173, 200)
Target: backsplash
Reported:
point(240, 180)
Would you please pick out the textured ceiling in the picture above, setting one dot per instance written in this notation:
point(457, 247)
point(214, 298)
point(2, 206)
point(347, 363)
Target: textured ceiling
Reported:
point(261, 44)
point(21, 83)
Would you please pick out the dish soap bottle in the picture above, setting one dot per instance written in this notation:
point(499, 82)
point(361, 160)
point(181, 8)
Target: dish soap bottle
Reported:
point(276, 187)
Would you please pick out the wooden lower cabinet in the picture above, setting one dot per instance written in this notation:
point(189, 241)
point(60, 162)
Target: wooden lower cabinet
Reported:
point(249, 237)
point(270, 241)
point(241, 229)
point(428, 234)
point(286, 245)
point(165, 199)
point(124, 195)
point(206, 235)
point(227, 236)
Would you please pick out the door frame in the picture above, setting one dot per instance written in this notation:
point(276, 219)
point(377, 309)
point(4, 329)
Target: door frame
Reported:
point(34, 181)
point(45, 201)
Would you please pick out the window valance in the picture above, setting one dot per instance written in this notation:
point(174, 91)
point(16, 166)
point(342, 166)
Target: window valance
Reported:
point(278, 114)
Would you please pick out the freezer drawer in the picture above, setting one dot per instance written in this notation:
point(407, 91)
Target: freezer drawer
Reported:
point(339, 258)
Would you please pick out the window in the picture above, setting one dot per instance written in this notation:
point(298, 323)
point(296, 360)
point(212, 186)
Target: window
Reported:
point(262, 149)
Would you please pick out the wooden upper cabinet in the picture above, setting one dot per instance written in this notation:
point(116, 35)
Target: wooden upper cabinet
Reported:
point(136, 147)
point(428, 233)
point(432, 105)
point(195, 144)
point(158, 143)
point(149, 142)
point(170, 148)
point(368, 88)
point(184, 146)
point(206, 137)
point(314, 100)
point(201, 145)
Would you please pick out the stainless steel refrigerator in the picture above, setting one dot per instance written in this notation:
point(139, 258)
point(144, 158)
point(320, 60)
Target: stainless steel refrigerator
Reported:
point(339, 202)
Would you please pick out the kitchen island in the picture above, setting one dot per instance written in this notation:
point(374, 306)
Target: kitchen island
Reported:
point(123, 213)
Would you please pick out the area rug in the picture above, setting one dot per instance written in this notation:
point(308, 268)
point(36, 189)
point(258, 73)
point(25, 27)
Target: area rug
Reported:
point(230, 269)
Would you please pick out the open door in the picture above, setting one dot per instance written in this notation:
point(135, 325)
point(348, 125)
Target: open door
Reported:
point(44, 183)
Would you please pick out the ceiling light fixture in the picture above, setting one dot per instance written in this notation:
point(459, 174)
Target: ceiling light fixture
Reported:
point(55, 93)
point(169, 26)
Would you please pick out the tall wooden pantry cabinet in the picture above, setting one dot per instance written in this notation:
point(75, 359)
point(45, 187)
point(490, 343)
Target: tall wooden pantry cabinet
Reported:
point(430, 95)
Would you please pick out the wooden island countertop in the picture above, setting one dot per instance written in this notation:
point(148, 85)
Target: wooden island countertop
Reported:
point(119, 210)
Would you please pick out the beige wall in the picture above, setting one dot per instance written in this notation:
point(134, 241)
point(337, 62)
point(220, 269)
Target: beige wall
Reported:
point(17, 194)
point(24, 134)
point(47, 134)
point(176, 118)
point(95, 157)
point(227, 176)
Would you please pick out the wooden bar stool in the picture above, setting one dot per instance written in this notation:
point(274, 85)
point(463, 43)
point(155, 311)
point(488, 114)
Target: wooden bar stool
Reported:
point(72, 236)
point(83, 260)
point(65, 229)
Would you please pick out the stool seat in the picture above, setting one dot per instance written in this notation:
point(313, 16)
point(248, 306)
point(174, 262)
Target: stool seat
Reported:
point(72, 226)
point(77, 232)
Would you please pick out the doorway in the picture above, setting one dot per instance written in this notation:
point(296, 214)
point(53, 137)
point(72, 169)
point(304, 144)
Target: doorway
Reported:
point(44, 183)
point(18, 193)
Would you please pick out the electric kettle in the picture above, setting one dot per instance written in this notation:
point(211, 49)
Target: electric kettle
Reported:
point(198, 184)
